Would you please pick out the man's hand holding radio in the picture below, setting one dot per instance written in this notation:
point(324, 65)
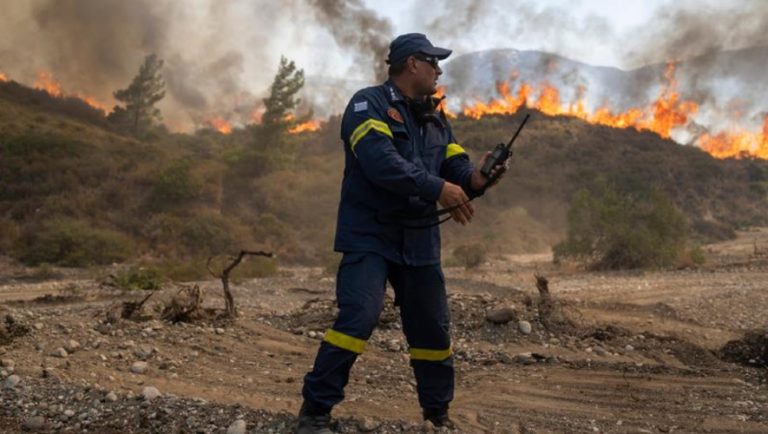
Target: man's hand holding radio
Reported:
point(478, 181)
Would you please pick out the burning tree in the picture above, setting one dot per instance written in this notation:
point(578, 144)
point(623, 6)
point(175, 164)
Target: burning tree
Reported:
point(140, 97)
point(282, 96)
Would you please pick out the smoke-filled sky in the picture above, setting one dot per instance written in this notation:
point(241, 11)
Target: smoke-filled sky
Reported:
point(220, 56)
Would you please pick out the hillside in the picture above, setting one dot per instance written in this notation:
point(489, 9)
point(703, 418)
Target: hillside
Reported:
point(64, 178)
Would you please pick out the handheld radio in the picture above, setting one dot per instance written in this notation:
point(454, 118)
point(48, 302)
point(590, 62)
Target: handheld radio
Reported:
point(500, 155)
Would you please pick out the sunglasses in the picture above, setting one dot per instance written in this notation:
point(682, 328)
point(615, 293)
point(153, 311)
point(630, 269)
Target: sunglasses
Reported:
point(432, 60)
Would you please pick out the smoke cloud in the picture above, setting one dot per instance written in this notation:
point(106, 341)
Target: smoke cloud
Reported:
point(359, 30)
point(220, 57)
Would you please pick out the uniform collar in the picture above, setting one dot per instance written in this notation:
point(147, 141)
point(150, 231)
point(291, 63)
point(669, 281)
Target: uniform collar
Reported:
point(393, 93)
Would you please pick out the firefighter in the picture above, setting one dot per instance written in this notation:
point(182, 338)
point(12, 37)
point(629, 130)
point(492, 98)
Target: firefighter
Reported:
point(401, 160)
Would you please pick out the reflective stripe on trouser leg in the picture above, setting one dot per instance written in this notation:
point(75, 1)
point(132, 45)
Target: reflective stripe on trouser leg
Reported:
point(420, 292)
point(360, 296)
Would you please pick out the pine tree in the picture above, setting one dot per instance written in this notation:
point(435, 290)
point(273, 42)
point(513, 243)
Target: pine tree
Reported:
point(282, 96)
point(140, 97)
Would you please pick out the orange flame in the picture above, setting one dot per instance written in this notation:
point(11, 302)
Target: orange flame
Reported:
point(46, 82)
point(3, 77)
point(311, 125)
point(506, 105)
point(443, 106)
point(256, 115)
point(91, 101)
point(737, 143)
point(668, 112)
point(221, 125)
point(665, 114)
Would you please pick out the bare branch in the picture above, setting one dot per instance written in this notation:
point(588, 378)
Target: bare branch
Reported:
point(229, 300)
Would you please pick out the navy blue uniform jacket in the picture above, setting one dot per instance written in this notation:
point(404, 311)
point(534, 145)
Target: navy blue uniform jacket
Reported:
point(394, 167)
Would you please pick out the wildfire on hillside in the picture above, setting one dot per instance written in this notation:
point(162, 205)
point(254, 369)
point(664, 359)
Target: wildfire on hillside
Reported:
point(221, 125)
point(667, 112)
point(308, 126)
point(737, 143)
point(45, 81)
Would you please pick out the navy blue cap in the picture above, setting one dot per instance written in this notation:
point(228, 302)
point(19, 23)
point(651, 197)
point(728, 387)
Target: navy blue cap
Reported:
point(412, 43)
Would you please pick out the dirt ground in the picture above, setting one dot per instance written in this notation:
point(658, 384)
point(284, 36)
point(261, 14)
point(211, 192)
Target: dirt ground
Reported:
point(639, 352)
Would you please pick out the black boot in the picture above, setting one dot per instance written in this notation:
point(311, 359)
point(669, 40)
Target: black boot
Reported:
point(313, 420)
point(438, 417)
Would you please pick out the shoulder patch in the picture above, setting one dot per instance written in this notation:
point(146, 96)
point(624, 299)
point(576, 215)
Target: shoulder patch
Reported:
point(361, 106)
point(394, 114)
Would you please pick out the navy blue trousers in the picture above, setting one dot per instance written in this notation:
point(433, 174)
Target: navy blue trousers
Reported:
point(420, 294)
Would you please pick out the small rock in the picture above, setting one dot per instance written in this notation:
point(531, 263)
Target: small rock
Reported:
point(219, 331)
point(143, 352)
point(428, 427)
point(111, 397)
point(11, 382)
point(38, 326)
point(600, 351)
point(237, 427)
point(525, 358)
point(8, 363)
point(34, 423)
point(150, 392)
point(393, 345)
point(71, 346)
point(369, 424)
point(139, 367)
point(629, 348)
point(69, 413)
point(524, 327)
point(500, 315)
point(127, 344)
point(59, 352)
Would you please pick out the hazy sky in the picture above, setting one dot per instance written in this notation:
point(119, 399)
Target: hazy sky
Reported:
point(622, 19)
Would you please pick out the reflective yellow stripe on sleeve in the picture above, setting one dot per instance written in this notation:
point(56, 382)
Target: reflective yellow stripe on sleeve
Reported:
point(430, 355)
point(453, 149)
point(364, 128)
point(344, 341)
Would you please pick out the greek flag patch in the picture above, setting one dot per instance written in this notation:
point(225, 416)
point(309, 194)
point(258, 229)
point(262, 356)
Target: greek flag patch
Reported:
point(361, 106)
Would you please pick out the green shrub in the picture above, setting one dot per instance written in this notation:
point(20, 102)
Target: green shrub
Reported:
point(173, 187)
point(469, 255)
point(71, 243)
point(209, 233)
point(185, 270)
point(692, 257)
point(608, 229)
point(144, 278)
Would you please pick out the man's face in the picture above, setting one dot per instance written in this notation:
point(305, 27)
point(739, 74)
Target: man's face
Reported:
point(425, 73)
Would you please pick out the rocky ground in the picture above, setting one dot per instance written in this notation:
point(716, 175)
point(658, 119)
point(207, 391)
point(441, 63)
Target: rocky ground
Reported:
point(642, 352)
